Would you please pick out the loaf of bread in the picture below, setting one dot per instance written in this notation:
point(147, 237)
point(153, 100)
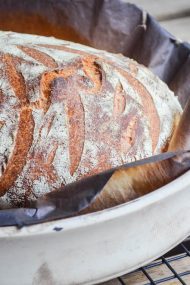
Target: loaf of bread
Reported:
point(68, 111)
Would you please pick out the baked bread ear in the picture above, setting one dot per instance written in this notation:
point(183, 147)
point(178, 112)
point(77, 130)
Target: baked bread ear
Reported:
point(68, 111)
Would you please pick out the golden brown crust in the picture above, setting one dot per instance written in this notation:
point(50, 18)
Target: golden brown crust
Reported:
point(148, 104)
point(15, 78)
point(23, 143)
point(39, 56)
point(69, 111)
point(62, 88)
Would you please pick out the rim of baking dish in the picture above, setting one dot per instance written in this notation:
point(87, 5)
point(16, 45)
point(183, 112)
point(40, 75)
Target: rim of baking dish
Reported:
point(102, 216)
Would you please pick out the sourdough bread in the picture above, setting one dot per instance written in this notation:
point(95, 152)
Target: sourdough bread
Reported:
point(68, 111)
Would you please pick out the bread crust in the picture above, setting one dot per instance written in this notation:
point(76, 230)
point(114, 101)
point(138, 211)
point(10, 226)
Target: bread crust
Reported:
point(68, 111)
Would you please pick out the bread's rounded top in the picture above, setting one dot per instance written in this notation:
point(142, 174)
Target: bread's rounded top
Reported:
point(68, 110)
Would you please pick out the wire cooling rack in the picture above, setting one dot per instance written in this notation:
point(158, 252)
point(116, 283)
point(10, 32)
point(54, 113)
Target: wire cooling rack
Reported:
point(167, 262)
point(173, 268)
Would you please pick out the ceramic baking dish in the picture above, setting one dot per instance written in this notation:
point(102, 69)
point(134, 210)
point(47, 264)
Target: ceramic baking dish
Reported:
point(96, 247)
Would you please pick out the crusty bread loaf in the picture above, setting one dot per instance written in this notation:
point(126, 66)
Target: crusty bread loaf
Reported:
point(68, 111)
